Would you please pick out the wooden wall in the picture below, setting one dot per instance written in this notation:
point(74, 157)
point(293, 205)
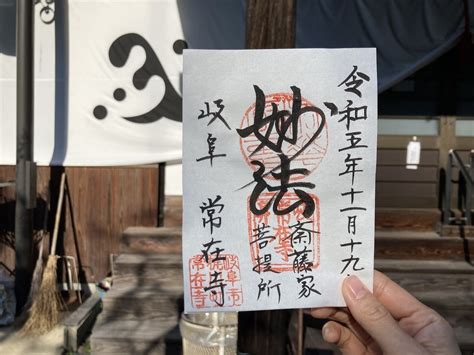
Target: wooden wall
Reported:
point(104, 202)
point(398, 187)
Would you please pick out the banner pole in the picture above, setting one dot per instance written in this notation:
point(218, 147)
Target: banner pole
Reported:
point(161, 195)
point(25, 168)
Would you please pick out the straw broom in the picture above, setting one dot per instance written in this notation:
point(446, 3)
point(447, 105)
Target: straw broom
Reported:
point(46, 307)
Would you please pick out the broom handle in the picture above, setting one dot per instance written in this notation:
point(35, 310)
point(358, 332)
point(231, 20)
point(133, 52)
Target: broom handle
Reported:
point(58, 214)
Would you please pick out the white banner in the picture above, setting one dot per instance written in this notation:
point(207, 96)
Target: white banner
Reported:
point(107, 88)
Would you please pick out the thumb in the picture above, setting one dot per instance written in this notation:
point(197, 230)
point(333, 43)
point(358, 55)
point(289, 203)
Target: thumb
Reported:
point(376, 319)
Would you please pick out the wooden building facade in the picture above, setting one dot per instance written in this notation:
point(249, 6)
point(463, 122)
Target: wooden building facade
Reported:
point(102, 202)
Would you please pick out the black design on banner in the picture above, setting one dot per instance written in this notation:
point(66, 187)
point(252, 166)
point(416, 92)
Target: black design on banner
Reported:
point(47, 11)
point(179, 45)
point(120, 94)
point(171, 104)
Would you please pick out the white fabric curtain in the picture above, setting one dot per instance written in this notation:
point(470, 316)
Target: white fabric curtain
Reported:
point(108, 76)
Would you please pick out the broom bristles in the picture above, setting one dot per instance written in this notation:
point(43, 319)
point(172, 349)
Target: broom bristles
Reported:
point(44, 312)
point(37, 273)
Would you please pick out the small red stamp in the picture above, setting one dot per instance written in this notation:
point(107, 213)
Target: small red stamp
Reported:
point(215, 284)
point(301, 156)
point(284, 243)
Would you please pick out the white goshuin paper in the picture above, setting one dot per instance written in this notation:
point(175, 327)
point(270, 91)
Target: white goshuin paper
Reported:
point(321, 75)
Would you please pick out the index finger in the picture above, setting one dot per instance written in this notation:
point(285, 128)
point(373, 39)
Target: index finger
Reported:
point(399, 302)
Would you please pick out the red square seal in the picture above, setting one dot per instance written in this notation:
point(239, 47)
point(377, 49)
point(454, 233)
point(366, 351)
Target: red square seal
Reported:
point(202, 275)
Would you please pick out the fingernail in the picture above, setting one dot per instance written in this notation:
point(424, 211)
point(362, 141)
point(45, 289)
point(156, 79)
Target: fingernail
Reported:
point(327, 332)
point(356, 287)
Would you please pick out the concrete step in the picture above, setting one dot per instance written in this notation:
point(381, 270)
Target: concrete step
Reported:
point(424, 266)
point(144, 291)
point(413, 219)
point(145, 302)
point(437, 284)
point(440, 291)
point(456, 231)
point(147, 269)
point(133, 337)
point(151, 240)
point(141, 310)
point(422, 245)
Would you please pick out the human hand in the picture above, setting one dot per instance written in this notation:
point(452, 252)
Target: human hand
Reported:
point(389, 321)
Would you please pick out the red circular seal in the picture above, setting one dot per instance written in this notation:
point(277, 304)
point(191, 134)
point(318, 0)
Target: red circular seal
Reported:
point(303, 149)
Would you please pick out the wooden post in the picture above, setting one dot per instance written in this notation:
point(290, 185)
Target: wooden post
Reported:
point(447, 192)
point(270, 24)
point(447, 141)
